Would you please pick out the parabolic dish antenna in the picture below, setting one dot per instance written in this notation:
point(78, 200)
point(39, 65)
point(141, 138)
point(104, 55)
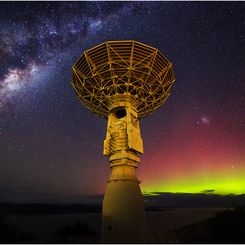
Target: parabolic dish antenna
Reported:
point(122, 68)
point(123, 81)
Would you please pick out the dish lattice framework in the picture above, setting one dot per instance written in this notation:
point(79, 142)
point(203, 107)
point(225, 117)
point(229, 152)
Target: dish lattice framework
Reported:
point(124, 68)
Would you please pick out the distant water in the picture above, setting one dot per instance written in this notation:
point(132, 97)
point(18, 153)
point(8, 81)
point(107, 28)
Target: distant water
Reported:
point(43, 226)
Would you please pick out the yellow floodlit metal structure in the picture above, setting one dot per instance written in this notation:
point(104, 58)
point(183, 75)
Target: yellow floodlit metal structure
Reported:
point(123, 81)
point(122, 68)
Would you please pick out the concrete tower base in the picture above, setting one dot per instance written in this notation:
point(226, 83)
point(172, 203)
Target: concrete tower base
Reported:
point(123, 208)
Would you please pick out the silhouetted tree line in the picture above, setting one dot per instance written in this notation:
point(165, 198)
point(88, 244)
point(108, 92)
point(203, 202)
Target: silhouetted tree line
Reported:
point(10, 234)
point(76, 233)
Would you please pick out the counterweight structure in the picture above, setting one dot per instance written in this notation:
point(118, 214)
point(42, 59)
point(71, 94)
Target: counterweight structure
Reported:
point(123, 81)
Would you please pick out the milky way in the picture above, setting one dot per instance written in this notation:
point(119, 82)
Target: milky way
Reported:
point(51, 146)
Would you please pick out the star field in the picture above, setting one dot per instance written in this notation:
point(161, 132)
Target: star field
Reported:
point(51, 146)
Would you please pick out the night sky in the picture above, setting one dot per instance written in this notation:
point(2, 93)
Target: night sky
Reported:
point(51, 146)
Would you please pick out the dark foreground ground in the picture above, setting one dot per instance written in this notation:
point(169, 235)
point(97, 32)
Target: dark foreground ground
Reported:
point(43, 223)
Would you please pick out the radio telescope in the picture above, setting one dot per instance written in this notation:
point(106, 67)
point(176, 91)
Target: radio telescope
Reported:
point(123, 81)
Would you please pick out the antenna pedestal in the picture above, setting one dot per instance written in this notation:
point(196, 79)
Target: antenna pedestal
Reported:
point(123, 205)
point(123, 208)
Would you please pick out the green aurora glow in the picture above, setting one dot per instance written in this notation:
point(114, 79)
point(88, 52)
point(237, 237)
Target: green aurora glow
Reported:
point(232, 183)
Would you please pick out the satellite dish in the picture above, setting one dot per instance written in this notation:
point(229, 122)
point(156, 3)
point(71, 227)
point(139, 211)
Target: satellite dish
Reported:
point(126, 68)
point(123, 81)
